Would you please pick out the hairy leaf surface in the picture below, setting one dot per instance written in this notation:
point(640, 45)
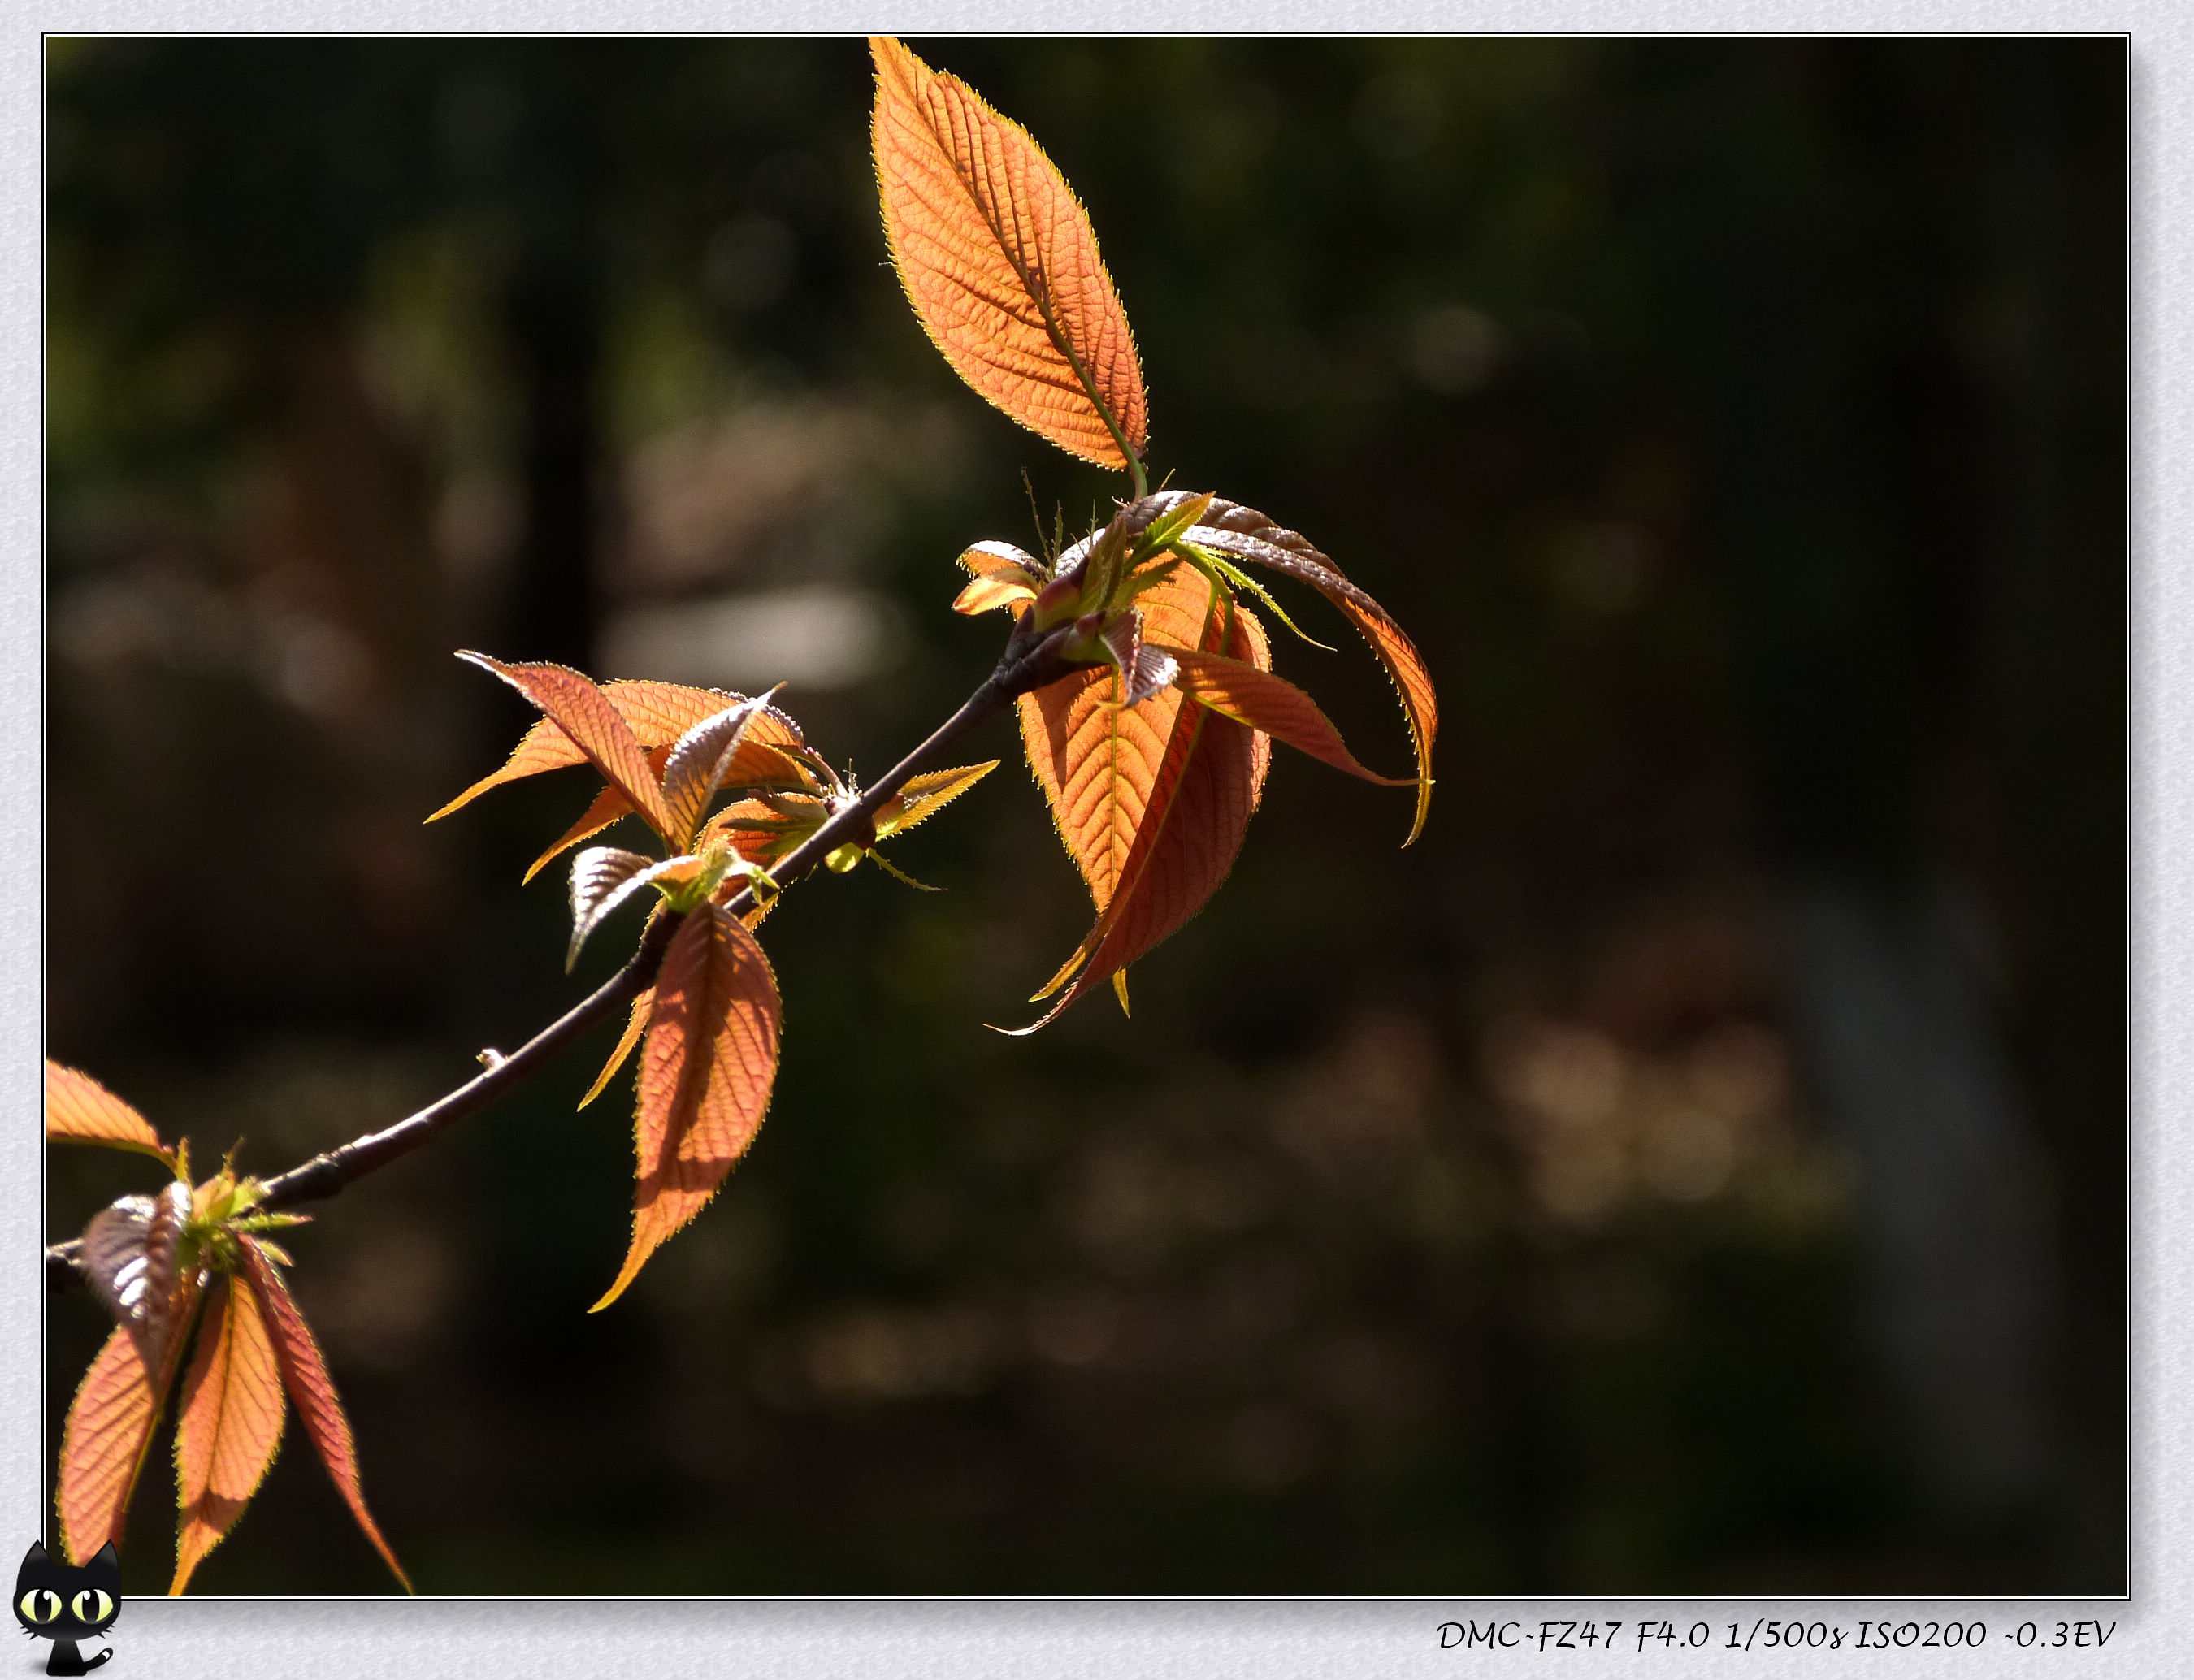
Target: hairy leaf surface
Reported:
point(1000, 263)
point(705, 1072)
point(1098, 761)
point(230, 1426)
point(595, 726)
point(701, 761)
point(79, 1110)
point(1244, 534)
point(130, 1251)
point(925, 795)
point(108, 1433)
point(657, 714)
point(305, 1375)
point(1274, 705)
point(634, 1024)
point(1205, 790)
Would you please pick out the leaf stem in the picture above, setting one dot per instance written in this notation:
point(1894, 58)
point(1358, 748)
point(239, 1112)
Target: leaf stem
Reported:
point(1031, 660)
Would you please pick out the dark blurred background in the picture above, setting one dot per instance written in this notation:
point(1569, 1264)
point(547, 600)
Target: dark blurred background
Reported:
point(1696, 1166)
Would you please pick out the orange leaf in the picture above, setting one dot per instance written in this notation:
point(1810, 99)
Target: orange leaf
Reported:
point(658, 712)
point(79, 1110)
point(1096, 761)
point(1206, 788)
point(1272, 704)
point(634, 1023)
point(305, 1375)
point(999, 261)
point(706, 1072)
point(106, 1437)
point(1244, 534)
point(231, 1425)
point(988, 594)
point(585, 715)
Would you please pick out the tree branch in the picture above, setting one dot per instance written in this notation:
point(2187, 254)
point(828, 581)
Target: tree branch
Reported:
point(1030, 661)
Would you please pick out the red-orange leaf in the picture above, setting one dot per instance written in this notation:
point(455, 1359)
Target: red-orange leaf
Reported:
point(1272, 704)
point(595, 726)
point(1000, 263)
point(230, 1426)
point(79, 1110)
point(658, 713)
point(1205, 791)
point(706, 1072)
point(635, 1024)
point(305, 1375)
point(1244, 534)
point(1098, 761)
point(106, 1439)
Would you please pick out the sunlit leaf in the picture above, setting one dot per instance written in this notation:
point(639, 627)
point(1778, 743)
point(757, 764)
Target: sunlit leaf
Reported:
point(766, 829)
point(1274, 705)
point(988, 594)
point(107, 1436)
point(305, 1375)
point(701, 761)
point(1244, 534)
point(1144, 670)
point(1000, 263)
point(635, 1024)
point(705, 1072)
point(229, 1427)
point(1098, 761)
point(584, 714)
point(1204, 791)
point(756, 764)
point(926, 794)
point(79, 1110)
point(603, 877)
point(130, 1252)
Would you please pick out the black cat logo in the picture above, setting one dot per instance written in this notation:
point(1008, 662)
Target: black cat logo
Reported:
point(66, 1602)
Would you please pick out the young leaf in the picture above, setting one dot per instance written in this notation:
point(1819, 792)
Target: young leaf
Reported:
point(305, 1375)
point(1144, 670)
point(755, 764)
point(926, 794)
point(603, 877)
point(1272, 704)
point(230, 1427)
point(657, 714)
point(1000, 263)
point(107, 1436)
point(1244, 534)
point(584, 714)
point(763, 830)
point(700, 762)
point(130, 1251)
point(706, 1072)
point(988, 594)
point(79, 1110)
point(1097, 761)
point(634, 1024)
point(1206, 788)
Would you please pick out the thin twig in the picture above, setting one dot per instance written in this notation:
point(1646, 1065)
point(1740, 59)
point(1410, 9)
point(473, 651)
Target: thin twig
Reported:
point(1030, 661)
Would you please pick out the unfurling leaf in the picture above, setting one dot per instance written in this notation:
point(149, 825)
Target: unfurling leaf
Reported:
point(657, 714)
point(130, 1253)
point(926, 794)
point(1144, 670)
point(79, 1110)
point(766, 829)
point(705, 1072)
point(755, 764)
point(701, 761)
point(1203, 794)
point(230, 1426)
point(595, 726)
point(603, 877)
point(1241, 533)
point(106, 1437)
point(1272, 704)
point(1000, 263)
point(988, 594)
point(305, 1375)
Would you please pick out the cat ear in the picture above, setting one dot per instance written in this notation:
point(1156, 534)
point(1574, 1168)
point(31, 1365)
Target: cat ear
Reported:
point(106, 1558)
point(36, 1554)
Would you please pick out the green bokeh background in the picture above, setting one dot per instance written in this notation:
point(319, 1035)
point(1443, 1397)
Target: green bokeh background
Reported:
point(1736, 424)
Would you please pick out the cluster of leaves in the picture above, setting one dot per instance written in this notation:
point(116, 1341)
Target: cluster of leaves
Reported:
point(1152, 749)
point(189, 1262)
point(1153, 756)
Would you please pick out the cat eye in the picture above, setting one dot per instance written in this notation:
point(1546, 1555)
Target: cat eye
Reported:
point(78, 1603)
point(41, 1604)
